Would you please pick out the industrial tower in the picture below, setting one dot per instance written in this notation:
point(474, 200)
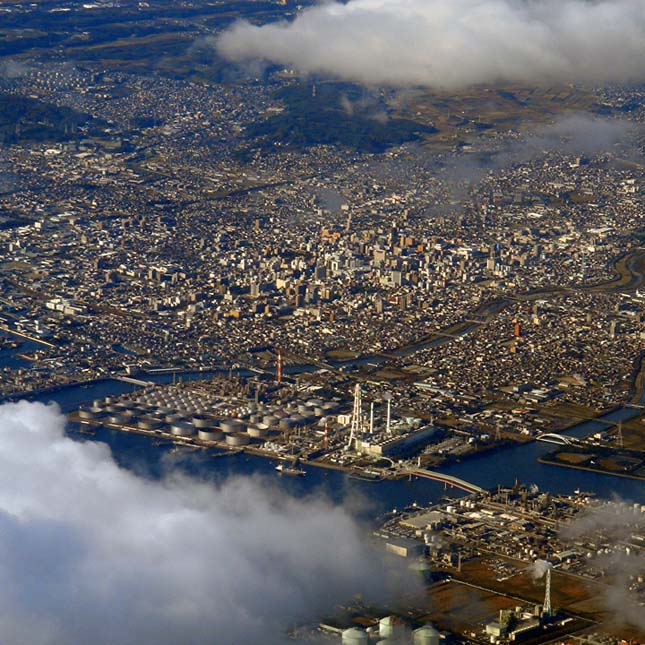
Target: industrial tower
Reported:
point(278, 371)
point(357, 417)
point(388, 423)
point(548, 610)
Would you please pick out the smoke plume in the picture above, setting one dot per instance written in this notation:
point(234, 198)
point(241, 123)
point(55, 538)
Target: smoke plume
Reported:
point(449, 44)
point(569, 134)
point(539, 568)
point(613, 524)
point(91, 553)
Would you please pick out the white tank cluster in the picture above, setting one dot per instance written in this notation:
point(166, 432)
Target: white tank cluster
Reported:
point(185, 400)
point(391, 631)
point(187, 413)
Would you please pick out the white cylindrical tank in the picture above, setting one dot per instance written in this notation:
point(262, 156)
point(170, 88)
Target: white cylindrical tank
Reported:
point(426, 635)
point(355, 636)
point(237, 439)
point(231, 425)
point(202, 422)
point(286, 423)
point(271, 420)
point(149, 424)
point(88, 414)
point(257, 431)
point(210, 435)
point(392, 627)
point(182, 429)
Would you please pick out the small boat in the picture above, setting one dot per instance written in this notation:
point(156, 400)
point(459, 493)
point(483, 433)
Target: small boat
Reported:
point(365, 476)
point(290, 470)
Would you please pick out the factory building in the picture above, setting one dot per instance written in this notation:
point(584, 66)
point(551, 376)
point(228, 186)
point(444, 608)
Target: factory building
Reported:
point(396, 444)
point(404, 547)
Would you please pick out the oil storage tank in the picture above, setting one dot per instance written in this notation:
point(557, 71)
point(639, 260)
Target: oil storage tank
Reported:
point(182, 429)
point(237, 439)
point(271, 420)
point(210, 434)
point(230, 426)
point(149, 423)
point(355, 636)
point(257, 431)
point(426, 635)
point(392, 627)
point(200, 421)
point(89, 414)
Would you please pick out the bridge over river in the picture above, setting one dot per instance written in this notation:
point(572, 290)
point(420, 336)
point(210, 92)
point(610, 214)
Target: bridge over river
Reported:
point(451, 480)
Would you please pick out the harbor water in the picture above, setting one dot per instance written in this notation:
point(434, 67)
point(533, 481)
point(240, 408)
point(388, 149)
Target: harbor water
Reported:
point(502, 466)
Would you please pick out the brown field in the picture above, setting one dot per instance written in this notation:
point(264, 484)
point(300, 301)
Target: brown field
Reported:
point(567, 592)
point(572, 457)
point(483, 111)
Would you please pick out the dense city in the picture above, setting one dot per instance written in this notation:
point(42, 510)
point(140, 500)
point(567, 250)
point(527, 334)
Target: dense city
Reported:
point(389, 285)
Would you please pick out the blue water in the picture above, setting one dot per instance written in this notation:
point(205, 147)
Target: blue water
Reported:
point(486, 470)
point(9, 356)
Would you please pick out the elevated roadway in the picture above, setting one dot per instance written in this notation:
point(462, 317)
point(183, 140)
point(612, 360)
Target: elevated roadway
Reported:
point(451, 480)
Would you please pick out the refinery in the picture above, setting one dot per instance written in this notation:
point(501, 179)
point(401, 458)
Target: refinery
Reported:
point(508, 565)
point(282, 422)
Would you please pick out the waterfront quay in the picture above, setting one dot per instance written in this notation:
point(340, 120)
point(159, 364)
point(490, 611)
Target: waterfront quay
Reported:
point(314, 419)
point(307, 424)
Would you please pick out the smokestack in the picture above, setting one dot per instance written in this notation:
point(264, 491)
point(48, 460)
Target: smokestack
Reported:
point(388, 425)
point(548, 610)
point(357, 417)
point(278, 373)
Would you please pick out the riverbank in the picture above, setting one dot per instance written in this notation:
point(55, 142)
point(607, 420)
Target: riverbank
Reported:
point(503, 466)
point(545, 459)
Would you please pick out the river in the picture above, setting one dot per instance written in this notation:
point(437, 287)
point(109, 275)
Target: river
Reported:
point(487, 470)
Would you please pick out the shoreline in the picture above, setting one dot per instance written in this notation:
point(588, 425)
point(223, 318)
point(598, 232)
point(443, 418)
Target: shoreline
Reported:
point(610, 473)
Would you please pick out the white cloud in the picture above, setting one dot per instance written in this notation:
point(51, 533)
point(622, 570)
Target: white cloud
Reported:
point(614, 523)
point(453, 43)
point(91, 553)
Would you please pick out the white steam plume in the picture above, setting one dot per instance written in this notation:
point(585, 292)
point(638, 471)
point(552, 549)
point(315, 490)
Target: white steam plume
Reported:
point(539, 568)
point(614, 524)
point(91, 553)
point(453, 43)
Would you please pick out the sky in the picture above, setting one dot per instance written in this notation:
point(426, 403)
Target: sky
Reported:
point(93, 553)
point(451, 44)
